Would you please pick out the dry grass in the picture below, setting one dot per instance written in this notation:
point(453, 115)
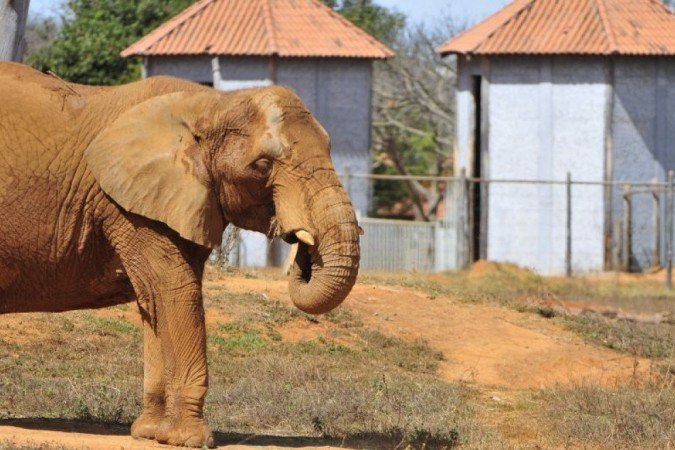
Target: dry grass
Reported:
point(13, 445)
point(88, 368)
point(354, 383)
point(636, 338)
point(635, 416)
point(503, 283)
point(625, 417)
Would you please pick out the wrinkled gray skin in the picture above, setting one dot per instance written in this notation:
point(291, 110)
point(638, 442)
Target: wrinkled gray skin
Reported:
point(109, 195)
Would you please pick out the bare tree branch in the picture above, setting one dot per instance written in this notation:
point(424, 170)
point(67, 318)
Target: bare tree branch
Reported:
point(414, 115)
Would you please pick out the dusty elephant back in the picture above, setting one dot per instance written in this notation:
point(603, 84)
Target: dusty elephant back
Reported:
point(51, 206)
point(44, 188)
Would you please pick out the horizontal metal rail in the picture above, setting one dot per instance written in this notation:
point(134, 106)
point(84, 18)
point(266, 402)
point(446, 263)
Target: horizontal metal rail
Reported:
point(663, 185)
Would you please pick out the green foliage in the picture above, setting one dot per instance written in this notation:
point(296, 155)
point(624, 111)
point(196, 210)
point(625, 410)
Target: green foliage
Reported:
point(382, 23)
point(418, 154)
point(93, 34)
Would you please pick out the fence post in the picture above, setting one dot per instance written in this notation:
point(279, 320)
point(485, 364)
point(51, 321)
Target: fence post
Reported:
point(669, 231)
point(627, 226)
point(656, 219)
point(568, 227)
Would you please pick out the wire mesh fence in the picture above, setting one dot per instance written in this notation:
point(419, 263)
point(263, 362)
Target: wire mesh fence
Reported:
point(564, 226)
point(553, 226)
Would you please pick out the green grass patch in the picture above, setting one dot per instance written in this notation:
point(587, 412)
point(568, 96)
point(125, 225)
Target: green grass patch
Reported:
point(109, 325)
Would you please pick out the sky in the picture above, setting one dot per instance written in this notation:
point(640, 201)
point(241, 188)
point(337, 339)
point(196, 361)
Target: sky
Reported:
point(428, 11)
point(418, 11)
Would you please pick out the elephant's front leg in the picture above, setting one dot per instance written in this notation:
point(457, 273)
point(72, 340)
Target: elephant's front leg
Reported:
point(166, 272)
point(154, 386)
point(183, 335)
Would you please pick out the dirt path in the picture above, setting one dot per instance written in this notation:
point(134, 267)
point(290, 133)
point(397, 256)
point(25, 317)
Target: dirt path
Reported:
point(487, 345)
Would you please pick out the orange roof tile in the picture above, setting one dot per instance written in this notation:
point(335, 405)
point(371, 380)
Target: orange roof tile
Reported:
point(581, 27)
point(287, 28)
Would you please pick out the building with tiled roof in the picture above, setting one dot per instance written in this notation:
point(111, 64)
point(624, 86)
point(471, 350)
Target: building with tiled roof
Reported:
point(282, 28)
point(234, 44)
point(547, 87)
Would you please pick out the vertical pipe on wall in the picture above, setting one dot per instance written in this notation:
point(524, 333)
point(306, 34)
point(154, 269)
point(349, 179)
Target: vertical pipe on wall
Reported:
point(656, 219)
point(484, 188)
point(669, 231)
point(144, 67)
point(568, 227)
point(464, 252)
point(215, 69)
point(627, 228)
point(609, 165)
point(274, 69)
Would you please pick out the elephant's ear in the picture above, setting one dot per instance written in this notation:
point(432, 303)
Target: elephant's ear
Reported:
point(149, 162)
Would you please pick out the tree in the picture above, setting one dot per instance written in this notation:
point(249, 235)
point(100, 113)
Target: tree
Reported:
point(413, 112)
point(378, 21)
point(414, 122)
point(13, 14)
point(94, 32)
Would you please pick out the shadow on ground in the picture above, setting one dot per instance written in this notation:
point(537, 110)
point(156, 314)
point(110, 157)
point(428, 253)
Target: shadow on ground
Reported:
point(370, 440)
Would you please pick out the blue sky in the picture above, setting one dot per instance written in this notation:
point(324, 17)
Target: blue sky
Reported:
point(426, 11)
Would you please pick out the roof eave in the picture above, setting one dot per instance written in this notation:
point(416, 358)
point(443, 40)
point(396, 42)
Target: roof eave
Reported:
point(559, 53)
point(381, 57)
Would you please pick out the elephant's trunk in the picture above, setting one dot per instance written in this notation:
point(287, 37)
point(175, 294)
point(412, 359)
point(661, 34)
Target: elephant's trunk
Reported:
point(324, 274)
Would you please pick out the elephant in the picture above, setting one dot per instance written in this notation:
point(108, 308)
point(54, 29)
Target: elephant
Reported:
point(118, 194)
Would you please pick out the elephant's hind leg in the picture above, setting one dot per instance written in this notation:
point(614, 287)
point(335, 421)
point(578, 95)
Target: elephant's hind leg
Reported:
point(145, 426)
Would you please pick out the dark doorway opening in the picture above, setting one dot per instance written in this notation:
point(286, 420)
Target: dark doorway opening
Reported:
point(477, 190)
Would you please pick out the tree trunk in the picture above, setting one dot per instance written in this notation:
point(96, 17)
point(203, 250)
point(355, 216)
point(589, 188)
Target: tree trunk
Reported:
point(13, 15)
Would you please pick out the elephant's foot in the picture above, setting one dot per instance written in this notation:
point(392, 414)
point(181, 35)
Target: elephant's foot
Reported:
point(185, 432)
point(145, 426)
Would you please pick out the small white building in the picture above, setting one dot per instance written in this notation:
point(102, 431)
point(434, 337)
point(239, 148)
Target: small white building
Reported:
point(303, 44)
point(547, 87)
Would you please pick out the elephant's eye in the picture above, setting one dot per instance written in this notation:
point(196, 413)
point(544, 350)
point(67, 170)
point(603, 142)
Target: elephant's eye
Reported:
point(263, 165)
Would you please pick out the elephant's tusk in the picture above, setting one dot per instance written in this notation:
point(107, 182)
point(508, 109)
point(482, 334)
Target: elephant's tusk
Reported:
point(289, 261)
point(304, 237)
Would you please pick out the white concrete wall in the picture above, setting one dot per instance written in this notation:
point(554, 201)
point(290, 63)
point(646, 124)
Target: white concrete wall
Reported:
point(338, 92)
point(546, 117)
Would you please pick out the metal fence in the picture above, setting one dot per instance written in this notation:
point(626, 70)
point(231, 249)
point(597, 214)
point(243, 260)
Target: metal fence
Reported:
point(631, 225)
point(399, 245)
point(562, 226)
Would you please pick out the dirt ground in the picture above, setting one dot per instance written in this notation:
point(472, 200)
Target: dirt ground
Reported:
point(499, 350)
